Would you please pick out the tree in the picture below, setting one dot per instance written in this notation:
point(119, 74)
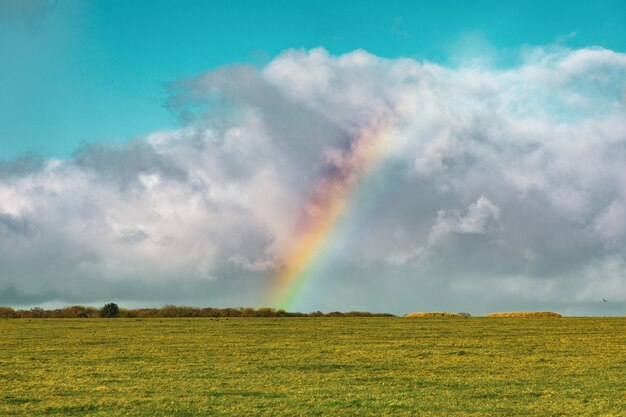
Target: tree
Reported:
point(110, 310)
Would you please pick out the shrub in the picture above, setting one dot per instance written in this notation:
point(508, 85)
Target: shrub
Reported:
point(7, 313)
point(37, 313)
point(110, 310)
point(131, 314)
point(266, 312)
point(75, 311)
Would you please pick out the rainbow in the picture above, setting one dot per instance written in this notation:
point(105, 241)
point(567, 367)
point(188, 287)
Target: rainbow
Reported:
point(323, 208)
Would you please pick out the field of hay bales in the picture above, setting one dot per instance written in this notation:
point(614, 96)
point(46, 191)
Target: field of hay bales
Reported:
point(313, 366)
point(535, 314)
point(433, 314)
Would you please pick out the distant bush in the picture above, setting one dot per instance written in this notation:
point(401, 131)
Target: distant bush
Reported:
point(110, 310)
point(128, 314)
point(75, 311)
point(7, 313)
point(525, 314)
point(433, 314)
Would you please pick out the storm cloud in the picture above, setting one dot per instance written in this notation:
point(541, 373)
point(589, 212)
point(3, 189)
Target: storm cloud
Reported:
point(499, 189)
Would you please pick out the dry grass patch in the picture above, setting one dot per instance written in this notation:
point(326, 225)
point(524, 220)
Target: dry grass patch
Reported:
point(525, 314)
point(433, 314)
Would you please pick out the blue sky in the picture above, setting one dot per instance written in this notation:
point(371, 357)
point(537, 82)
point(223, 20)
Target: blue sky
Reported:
point(75, 72)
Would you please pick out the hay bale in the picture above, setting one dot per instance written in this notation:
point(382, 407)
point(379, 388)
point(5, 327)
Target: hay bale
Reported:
point(525, 314)
point(433, 314)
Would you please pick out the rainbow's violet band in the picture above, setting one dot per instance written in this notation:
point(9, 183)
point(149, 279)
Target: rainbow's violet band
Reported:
point(324, 207)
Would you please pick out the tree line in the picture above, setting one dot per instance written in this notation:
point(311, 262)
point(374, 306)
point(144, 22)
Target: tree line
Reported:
point(111, 310)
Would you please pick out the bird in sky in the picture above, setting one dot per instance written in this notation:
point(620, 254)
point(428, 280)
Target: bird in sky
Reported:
point(605, 300)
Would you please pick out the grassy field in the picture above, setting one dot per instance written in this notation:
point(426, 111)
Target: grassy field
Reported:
point(314, 366)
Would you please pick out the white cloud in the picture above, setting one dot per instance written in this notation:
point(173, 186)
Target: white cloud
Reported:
point(519, 170)
point(473, 220)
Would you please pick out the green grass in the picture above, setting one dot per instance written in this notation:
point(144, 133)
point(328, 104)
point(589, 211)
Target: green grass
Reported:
point(314, 366)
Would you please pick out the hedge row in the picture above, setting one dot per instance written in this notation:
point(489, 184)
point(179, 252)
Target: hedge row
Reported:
point(173, 311)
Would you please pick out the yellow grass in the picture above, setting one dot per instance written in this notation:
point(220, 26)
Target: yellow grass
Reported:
point(432, 314)
point(347, 366)
point(525, 314)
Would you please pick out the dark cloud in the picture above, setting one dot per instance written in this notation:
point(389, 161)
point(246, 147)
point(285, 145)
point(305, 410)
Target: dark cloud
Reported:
point(11, 225)
point(129, 237)
point(123, 164)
